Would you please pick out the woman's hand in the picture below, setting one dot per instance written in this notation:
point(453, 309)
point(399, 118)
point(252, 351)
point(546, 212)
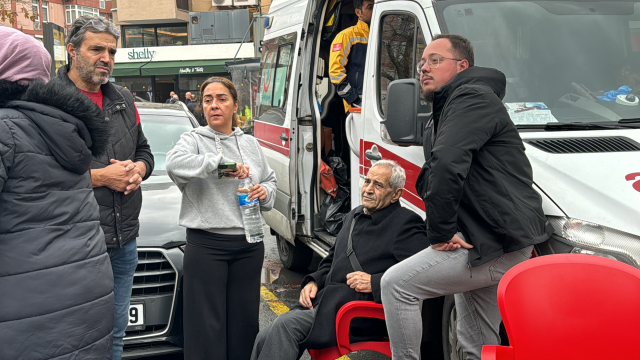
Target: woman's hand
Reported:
point(242, 171)
point(258, 191)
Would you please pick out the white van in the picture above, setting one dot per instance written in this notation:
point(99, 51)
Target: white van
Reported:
point(558, 57)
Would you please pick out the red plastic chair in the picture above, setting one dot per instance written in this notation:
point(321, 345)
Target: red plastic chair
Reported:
point(347, 313)
point(569, 307)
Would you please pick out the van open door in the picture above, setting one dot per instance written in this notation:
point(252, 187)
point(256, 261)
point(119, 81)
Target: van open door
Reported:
point(274, 127)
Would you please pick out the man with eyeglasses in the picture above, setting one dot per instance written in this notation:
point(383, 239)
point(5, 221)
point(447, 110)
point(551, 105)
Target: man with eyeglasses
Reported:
point(477, 181)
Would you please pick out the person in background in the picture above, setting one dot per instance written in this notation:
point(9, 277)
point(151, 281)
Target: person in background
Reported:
point(171, 94)
point(56, 300)
point(221, 295)
point(348, 55)
point(174, 99)
point(115, 176)
point(187, 98)
point(627, 73)
point(196, 109)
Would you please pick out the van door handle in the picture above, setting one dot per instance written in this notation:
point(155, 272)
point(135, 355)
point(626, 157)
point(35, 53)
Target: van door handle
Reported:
point(373, 154)
point(284, 137)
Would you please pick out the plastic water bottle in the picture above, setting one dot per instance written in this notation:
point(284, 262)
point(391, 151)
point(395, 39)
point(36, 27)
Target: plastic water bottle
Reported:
point(250, 212)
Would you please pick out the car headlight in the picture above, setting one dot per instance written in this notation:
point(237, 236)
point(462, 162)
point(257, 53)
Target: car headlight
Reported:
point(594, 239)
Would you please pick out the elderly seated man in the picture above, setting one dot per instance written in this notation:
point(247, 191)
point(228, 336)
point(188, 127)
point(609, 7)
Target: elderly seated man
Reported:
point(384, 233)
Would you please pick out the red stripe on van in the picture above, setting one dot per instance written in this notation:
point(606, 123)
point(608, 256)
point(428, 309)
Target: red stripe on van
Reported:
point(268, 135)
point(412, 170)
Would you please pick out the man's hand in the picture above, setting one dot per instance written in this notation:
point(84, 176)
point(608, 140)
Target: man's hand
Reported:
point(123, 176)
point(308, 292)
point(137, 170)
point(455, 243)
point(359, 281)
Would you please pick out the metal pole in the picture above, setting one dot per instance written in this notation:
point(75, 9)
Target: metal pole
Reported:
point(244, 37)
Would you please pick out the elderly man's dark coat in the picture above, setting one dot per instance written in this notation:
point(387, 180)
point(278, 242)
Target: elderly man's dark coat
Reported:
point(380, 240)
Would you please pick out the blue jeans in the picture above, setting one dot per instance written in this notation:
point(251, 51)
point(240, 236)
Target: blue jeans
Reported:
point(123, 262)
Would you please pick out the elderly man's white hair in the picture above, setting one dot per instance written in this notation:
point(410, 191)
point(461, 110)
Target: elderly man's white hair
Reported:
point(398, 176)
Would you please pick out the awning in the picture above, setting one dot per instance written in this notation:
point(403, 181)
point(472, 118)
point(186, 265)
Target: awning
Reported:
point(183, 67)
point(127, 69)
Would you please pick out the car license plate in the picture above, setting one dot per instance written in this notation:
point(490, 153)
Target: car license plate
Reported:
point(136, 315)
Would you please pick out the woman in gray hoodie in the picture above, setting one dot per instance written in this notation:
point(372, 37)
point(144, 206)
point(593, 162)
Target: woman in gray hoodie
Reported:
point(221, 269)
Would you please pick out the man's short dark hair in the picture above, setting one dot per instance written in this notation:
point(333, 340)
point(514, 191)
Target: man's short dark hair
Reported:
point(357, 4)
point(460, 47)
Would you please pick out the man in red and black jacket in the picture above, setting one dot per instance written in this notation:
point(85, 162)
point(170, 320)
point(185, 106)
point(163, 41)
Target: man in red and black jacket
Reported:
point(116, 175)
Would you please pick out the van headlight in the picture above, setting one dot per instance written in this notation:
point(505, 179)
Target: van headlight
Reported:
point(594, 239)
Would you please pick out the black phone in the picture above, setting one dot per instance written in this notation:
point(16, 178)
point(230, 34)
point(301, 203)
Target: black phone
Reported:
point(224, 169)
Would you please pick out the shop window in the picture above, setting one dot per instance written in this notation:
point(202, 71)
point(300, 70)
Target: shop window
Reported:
point(172, 35)
point(155, 35)
point(137, 85)
point(139, 37)
point(276, 67)
point(401, 45)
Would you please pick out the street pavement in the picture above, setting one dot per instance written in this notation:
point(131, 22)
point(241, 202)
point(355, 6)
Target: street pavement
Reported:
point(281, 289)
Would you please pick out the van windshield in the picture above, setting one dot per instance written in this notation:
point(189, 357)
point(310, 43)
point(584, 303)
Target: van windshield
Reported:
point(565, 62)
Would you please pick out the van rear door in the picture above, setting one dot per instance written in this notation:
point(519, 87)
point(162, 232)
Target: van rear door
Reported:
point(274, 127)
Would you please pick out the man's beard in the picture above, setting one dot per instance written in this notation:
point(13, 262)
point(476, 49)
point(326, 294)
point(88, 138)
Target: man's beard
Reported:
point(426, 95)
point(88, 73)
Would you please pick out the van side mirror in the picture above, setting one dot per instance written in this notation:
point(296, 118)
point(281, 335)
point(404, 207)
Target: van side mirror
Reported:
point(404, 113)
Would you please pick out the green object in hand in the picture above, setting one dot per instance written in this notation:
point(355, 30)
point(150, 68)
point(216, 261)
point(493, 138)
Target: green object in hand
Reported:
point(224, 169)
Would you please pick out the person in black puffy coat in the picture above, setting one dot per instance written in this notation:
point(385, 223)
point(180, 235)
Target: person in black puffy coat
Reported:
point(56, 300)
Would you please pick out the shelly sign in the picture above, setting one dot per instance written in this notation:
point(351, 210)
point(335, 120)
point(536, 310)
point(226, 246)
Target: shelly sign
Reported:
point(144, 54)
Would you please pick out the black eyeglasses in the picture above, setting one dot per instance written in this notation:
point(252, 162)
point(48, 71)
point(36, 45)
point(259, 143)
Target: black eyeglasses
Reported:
point(433, 62)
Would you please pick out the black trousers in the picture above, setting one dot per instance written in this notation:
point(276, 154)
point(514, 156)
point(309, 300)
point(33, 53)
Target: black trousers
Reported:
point(221, 295)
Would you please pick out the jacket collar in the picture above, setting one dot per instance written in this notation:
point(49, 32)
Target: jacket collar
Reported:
point(110, 93)
point(362, 26)
point(71, 125)
point(10, 90)
point(491, 78)
point(379, 216)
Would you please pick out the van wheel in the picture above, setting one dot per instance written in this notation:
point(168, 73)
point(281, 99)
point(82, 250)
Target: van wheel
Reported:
point(450, 344)
point(294, 257)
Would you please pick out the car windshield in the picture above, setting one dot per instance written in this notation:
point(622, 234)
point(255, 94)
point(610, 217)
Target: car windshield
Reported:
point(163, 132)
point(566, 62)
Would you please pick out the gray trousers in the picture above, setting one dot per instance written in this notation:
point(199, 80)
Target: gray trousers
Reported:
point(281, 339)
point(431, 273)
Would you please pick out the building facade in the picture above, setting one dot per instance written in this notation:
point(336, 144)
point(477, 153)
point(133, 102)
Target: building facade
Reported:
point(157, 52)
point(152, 72)
point(58, 12)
